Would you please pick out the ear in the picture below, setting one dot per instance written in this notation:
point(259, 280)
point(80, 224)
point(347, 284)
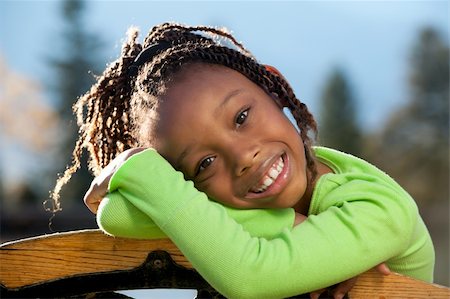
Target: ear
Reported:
point(271, 69)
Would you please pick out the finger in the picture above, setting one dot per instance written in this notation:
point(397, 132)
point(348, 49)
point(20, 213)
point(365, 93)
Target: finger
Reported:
point(343, 288)
point(99, 186)
point(383, 269)
point(316, 294)
point(92, 203)
point(93, 207)
point(94, 196)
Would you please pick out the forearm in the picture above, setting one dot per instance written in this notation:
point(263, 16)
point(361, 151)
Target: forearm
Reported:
point(118, 216)
point(239, 265)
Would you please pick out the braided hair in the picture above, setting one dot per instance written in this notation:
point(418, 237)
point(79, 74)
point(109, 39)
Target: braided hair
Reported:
point(113, 114)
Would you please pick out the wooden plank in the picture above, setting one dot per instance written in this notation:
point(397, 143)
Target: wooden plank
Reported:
point(61, 255)
point(372, 284)
point(36, 260)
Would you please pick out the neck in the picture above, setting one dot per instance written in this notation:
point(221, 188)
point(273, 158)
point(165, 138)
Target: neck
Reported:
point(302, 206)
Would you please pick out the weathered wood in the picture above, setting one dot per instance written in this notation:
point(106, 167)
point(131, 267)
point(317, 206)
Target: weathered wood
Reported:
point(40, 259)
point(372, 284)
point(88, 260)
point(158, 271)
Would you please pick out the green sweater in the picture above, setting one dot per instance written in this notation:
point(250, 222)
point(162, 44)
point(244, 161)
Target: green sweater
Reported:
point(359, 217)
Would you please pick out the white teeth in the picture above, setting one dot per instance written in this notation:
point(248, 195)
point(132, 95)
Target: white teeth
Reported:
point(273, 173)
point(268, 182)
point(270, 177)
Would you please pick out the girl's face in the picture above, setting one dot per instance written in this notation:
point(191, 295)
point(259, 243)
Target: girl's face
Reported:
point(229, 136)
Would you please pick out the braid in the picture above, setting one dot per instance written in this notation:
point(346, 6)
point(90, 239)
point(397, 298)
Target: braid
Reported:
point(116, 113)
point(304, 119)
point(177, 31)
point(103, 117)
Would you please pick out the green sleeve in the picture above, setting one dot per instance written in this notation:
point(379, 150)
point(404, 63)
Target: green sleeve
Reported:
point(117, 216)
point(339, 243)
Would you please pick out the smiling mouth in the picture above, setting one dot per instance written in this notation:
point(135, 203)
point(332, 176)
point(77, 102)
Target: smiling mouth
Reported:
point(270, 177)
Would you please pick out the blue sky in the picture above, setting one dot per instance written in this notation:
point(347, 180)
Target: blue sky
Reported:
point(370, 40)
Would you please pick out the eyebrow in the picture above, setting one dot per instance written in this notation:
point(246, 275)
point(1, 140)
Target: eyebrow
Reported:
point(226, 99)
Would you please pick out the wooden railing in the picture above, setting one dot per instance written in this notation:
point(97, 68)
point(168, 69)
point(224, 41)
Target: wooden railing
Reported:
point(83, 263)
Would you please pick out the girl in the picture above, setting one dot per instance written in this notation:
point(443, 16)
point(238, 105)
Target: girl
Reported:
point(186, 116)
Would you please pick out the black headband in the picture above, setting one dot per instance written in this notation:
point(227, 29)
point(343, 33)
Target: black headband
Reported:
point(146, 55)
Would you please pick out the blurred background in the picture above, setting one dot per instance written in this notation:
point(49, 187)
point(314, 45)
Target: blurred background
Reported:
point(374, 73)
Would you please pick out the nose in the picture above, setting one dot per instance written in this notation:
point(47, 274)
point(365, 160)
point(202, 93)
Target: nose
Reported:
point(243, 157)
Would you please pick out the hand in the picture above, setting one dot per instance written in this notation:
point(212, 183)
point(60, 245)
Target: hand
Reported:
point(299, 218)
point(99, 186)
point(383, 269)
point(344, 287)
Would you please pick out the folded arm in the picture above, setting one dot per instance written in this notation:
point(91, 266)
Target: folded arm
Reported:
point(237, 259)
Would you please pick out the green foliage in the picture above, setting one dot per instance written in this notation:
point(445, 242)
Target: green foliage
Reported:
point(338, 127)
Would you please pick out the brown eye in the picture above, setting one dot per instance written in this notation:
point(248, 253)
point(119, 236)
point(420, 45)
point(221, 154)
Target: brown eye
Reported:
point(241, 117)
point(205, 163)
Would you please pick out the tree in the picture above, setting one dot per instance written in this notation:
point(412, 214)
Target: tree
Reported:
point(414, 144)
point(338, 126)
point(73, 68)
point(28, 126)
point(418, 134)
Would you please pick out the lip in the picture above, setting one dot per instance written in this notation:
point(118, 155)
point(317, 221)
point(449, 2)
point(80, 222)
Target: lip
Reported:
point(278, 185)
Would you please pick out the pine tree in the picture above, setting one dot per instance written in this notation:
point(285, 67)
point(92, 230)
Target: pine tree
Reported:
point(338, 127)
point(414, 145)
point(418, 134)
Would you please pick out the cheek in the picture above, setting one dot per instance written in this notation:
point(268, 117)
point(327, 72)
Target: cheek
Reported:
point(218, 190)
point(280, 118)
